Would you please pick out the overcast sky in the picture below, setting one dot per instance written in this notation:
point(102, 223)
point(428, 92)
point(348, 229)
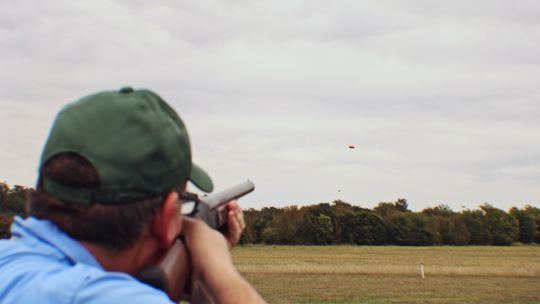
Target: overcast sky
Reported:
point(440, 98)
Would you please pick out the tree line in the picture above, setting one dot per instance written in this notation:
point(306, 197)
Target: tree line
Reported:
point(12, 202)
point(389, 223)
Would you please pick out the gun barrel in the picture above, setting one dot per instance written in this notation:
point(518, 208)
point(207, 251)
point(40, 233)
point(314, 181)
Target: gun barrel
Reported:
point(215, 200)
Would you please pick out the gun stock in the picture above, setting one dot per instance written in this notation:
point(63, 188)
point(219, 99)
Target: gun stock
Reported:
point(172, 275)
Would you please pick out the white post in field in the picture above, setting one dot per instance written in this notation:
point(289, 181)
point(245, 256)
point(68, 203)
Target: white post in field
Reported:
point(422, 269)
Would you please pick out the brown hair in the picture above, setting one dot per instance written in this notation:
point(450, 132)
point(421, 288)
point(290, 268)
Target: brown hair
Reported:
point(114, 227)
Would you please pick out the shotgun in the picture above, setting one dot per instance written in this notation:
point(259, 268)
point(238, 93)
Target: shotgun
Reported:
point(172, 275)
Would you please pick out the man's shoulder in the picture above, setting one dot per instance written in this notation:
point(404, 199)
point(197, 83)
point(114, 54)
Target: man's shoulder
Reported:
point(98, 286)
point(54, 280)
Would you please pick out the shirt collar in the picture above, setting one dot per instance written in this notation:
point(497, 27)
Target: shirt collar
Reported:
point(44, 231)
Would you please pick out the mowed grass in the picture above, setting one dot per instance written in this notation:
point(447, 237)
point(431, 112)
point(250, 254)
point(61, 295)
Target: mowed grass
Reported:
point(391, 274)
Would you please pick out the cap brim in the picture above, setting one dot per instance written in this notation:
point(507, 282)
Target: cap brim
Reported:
point(201, 179)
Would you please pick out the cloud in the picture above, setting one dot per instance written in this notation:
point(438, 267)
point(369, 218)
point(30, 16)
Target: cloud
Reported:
point(440, 98)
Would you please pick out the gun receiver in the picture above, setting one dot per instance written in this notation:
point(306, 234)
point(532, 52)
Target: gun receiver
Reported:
point(172, 274)
point(210, 208)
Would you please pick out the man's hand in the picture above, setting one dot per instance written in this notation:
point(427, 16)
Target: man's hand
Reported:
point(214, 275)
point(235, 223)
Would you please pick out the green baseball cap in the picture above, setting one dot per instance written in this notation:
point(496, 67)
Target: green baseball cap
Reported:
point(137, 143)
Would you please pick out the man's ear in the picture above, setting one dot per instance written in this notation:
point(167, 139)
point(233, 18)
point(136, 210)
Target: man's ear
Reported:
point(167, 223)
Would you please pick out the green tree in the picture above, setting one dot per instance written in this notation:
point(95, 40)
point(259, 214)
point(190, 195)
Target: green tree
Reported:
point(450, 227)
point(256, 222)
point(388, 209)
point(439, 210)
point(340, 208)
point(5, 223)
point(534, 213)
point(402, 205)
point(457, 233)
point(14, 202)
point(316, 230)
point(284, 227)
point(363, 227)
point(413, 229)
point(503, 227)
point(527, 225)
point(4, 193)
point(479, 233)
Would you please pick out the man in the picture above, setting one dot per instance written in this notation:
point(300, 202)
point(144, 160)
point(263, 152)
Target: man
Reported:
point(113, 174)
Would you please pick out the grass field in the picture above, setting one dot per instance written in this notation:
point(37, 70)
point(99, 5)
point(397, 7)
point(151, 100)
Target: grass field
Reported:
point(372, 274)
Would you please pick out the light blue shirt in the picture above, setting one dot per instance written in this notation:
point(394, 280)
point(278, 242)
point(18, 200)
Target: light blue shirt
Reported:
point(41, 264)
